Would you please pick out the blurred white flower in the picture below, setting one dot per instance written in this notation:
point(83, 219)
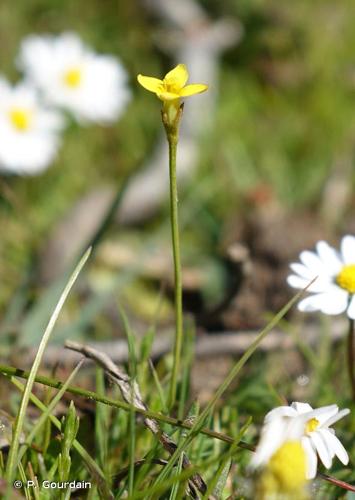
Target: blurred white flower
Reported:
point(29, 136)
point(284, 423)
point(93, 87)
point(334, 288)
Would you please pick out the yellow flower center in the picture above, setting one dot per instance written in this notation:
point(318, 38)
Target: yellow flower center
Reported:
point(20, 118)
point(173, 87)
point(287, 467)
point(346, 278)
point(73, 77)
point(311, 425)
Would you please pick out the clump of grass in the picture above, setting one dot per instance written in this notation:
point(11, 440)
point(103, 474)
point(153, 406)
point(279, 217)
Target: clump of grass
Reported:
point(158, 457)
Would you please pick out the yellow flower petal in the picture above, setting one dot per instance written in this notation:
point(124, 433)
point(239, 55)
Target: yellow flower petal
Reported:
point(193, 88)
point(168, 96)
point(149, 83)
point(177, 77)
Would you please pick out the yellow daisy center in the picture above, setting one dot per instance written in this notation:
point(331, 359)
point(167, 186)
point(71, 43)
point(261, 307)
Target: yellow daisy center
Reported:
point(311, 425)
point(287, 467)
point(73, 77)
point(346, 278)
point(20, 118)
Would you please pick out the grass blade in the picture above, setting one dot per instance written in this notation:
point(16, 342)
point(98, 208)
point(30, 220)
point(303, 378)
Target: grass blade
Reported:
point(200, 421)
point(132, 414)
point(12, 458)
point(48, 411)
point(101, 424)
point(90, 463)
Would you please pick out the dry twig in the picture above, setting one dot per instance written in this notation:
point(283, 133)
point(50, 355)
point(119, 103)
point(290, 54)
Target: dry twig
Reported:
point(131, 394)
point(207, 345)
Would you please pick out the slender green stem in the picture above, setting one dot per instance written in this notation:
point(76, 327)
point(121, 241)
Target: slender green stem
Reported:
point(351, 360)
point(172, 140)
point(57, 384)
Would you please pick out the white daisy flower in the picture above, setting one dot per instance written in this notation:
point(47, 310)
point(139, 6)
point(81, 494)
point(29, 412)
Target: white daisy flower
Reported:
point(334, 289)
point(317, 437)
point(93, 87)
point(28, 131)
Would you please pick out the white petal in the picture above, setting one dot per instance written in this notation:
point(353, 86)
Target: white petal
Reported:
point(297, 281)
point(302, 271)
point(5, 89)
point(336, 417)
point(322, 449)
point(28, 153)
point(348, 249)
point(351, 309)
point(301, 407)
point(335, 445)
point(313, 262)
point(323, 413)
point(332, 302)
point(280, 411)
point(311, 458)
point(330, 257)
point(309, 304)
point(295, 428)
point(50, 120)
point(272, 437)
point(318, 286)
point(335, 302)
point(324, 433)
point(69, 44)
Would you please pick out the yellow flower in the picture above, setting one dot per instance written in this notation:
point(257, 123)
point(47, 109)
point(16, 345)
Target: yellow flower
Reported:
point(173, 86)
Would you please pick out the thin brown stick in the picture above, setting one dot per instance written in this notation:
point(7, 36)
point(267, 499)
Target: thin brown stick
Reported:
point(336, 482)
point(131, 394)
